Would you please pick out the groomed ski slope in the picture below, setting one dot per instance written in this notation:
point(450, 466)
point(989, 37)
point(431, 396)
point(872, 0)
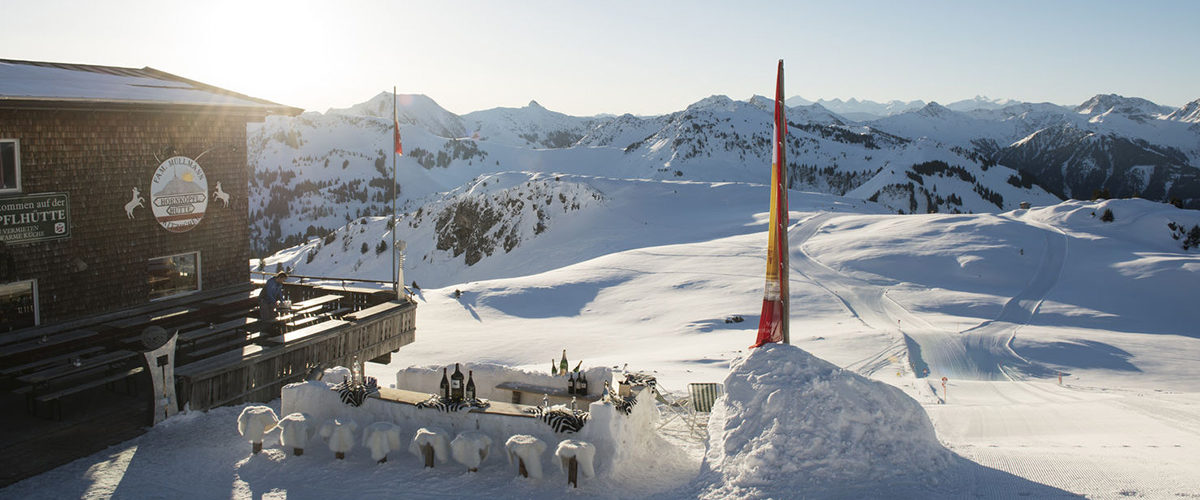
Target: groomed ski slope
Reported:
point(999, 304)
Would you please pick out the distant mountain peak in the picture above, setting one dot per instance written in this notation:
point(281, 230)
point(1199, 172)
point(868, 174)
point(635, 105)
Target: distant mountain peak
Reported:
point(1190, 113)
point(1134, 108)
point(933, 109)
point(714, 102)
point(534, 105)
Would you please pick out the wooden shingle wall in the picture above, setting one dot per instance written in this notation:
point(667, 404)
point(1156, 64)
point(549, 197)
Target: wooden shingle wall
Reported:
point(98, 157)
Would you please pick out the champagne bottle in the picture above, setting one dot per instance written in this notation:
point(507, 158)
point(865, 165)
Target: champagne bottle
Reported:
point(445, 386)
point(470, 391)
point(577, 365)
point(571, 383)
point(562, 365)
point(581, 384)
point(456, 384)
point(553, 367)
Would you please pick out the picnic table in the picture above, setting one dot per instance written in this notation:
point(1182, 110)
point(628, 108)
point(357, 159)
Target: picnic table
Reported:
point(317, 301)
point(45, 341)
point(304, 332)
point(50, 384)
point(155, 318)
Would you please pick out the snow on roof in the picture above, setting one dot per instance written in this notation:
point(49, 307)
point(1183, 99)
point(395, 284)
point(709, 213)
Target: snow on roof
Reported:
point(72, 85)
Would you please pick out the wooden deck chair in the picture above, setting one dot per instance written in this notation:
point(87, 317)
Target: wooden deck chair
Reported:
point(701, 397)
point(673, 408)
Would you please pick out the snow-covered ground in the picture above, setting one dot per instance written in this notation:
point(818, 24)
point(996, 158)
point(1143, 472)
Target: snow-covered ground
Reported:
point(1000, 304)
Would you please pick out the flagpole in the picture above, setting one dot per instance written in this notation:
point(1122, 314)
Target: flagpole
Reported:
point(773, 322)
point(396, 123)
point(781, 127)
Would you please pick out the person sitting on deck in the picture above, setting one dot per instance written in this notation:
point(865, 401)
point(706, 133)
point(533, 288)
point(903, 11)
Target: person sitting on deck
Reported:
point(270, 296)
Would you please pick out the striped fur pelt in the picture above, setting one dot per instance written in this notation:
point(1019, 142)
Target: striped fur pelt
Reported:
point(444, 405)
point(562, 420)
point(354, 394)
point(641, 379)
point(623, 405)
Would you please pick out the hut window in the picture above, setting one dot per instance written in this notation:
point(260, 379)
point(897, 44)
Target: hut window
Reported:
point(10, 166)
point(18, 305)
point(174, 275)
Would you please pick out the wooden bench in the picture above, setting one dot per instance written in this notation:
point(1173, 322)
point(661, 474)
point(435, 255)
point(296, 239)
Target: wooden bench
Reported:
point(196, 335)
point(297, 313)
point(42, 363)
point(559, 393)
point(86, 364)
point(156, 318)
point(307, 331)
point(226, 345)
point(56, 396)
point(217, 362)
point(45, 342)
point(373, 310)
point(317, 301)
point(240, 298)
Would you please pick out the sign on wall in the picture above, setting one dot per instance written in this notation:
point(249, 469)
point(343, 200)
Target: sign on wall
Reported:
point(179, 194)
point(35, 217)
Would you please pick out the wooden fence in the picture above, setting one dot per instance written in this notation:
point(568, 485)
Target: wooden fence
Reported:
point(257, 373)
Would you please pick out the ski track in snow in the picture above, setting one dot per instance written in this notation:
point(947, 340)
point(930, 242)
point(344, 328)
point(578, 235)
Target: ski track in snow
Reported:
point(1039, 434)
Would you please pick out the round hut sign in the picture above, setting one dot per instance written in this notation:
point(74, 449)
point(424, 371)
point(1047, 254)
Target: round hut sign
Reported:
point(179, 194)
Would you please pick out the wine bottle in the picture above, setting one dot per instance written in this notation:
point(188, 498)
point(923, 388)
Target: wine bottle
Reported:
point(562, 365)
point(570, 383)
point(456, 384)
point(577, 365)
point(445, 386)
point(581, 384)
point(553, 367)
point(470, 391)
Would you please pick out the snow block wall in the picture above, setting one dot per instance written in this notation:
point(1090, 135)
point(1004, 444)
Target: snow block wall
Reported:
point(792, 423)
point(624, 444)
point(487, 375)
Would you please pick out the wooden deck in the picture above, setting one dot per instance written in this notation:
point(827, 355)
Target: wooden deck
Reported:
point(256, 373)
point(85, 381)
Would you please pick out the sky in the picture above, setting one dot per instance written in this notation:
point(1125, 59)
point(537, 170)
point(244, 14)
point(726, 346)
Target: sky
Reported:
point(645, 58)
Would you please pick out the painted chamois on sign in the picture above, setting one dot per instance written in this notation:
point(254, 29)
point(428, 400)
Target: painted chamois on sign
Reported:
point(137, 201)
point(221, 195)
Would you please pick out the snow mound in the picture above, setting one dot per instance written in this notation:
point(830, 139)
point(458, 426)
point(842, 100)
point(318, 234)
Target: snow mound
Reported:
point(791, 423)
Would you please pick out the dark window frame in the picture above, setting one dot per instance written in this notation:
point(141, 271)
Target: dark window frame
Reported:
point(199, 282)
point(16, 149)
point(37, 309)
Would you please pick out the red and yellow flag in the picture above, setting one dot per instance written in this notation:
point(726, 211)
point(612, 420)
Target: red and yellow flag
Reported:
point(773, 324)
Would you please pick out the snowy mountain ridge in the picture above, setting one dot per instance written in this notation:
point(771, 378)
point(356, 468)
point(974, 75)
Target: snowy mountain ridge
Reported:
point(296, 194)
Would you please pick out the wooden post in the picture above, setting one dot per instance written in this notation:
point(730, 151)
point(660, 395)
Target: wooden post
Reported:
point(427, 451)
point(257, 446)
point(521, 468)
point(573, 472)
point(297, 451)
point(339, 455)
point(382, 460)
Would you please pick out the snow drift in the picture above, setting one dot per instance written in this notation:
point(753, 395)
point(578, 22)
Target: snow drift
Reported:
point(791, 424)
